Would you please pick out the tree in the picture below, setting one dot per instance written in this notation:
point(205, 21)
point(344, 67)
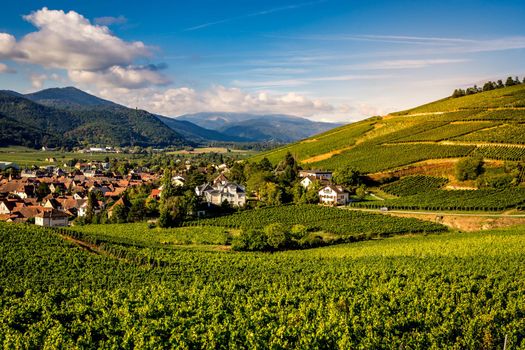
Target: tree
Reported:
point(277, 235)
point(299, 193)
point(137, 210)
point(92, 203)
point(510, 82)
point(42, 190)
point(168, 190)
point(347, 176)
point(120, 214)
point(469, 169)
point(360, 192)
point(500, 84)
point(489, 86)
point(265, 164)
point(271, 194)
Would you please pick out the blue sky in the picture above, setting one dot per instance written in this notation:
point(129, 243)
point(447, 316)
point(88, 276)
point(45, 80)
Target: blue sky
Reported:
point(327, 59)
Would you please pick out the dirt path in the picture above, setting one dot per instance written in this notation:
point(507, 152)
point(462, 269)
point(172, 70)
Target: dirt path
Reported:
point(88, 247)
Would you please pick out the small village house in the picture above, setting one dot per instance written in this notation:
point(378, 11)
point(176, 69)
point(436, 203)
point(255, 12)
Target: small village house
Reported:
point(51, 218)
point(333, 195)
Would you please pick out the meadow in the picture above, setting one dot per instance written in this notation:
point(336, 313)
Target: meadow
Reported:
point(26, 157)
point(444, 291)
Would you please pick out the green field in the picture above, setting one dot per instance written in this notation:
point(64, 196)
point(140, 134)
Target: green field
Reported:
point(462, 200)
point(449, 128)
point(446, 291)
point(325, 219)
point(26, 157)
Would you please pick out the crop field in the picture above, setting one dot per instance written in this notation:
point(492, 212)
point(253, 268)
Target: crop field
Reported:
point(27, 156)
point(467, 200)
point(371, 159)
point(508, 133)
point(500, 152)
point(511, 97)
point(415, 184)
point(493, 116)
point(446, 291)
point(447, 131)
point(337, 138)
point(328, 219)
point(154, 236)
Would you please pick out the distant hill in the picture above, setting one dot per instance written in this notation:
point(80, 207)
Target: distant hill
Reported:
point(258, 127)
point(82, 103)
point(69, 123)
point(67, 97)
point(489, 124)
point(71, 117)
point(199, 134)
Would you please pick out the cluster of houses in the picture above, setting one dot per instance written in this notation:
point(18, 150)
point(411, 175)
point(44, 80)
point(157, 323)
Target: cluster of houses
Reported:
point(329, 194)
point(68, 193)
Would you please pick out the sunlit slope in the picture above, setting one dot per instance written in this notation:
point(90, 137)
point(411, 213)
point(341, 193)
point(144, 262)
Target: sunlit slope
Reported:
point(488, 124)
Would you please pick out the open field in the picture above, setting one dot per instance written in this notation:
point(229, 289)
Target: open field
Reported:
point(446, 291)
point(203, 150)
point(26, 156)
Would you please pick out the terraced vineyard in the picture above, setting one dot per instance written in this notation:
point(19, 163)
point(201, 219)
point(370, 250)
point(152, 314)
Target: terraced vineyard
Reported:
point(452, 290)
point(317, 218)
point(466, 200)
point(411, 185)
point(449, 128)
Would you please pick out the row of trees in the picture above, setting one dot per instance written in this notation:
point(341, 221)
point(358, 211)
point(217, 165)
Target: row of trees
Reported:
point(488, 86)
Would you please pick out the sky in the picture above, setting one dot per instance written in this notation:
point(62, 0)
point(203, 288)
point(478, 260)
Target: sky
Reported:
point(329, 60)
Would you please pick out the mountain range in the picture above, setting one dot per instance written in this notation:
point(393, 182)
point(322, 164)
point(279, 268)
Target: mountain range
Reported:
point(71, 117)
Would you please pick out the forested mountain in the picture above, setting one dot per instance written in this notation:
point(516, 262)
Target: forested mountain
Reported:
point(71, 117)
point(34, 124)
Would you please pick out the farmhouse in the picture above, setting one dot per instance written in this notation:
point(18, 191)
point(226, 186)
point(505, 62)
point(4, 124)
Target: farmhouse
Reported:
point(51, 218)
point(316, 174)
point(333, 195)
point(222, 190)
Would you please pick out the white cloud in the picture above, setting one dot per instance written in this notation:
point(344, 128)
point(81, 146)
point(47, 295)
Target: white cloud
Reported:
point(183, 100)
point(130, 77)
point(90, 54)
point(70, 41)
point(405, 64)
point(4, 68)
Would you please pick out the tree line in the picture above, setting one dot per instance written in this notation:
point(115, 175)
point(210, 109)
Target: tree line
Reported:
point(488, 86)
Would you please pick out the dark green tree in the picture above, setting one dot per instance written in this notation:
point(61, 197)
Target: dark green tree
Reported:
point(469, 169)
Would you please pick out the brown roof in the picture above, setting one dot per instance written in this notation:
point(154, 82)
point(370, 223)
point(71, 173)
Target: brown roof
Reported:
point(52, 214)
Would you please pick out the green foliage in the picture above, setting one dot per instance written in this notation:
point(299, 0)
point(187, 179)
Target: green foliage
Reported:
point(333, 220)
point(466, 200)
point(277, 235)
point(439, 291)
point(469, 169)
point(415, 184)
point(346, 176)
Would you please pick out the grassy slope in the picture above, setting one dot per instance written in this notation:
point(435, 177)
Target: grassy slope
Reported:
point(439, 291)
point(447, 128)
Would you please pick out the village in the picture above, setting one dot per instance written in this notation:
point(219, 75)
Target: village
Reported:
point(92, 192)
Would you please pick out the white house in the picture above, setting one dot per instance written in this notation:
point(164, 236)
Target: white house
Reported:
point(222, 190)
point(317, 174)
point(178, 181)
point(308, 181)
point(51, 218)
point(333, 195)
